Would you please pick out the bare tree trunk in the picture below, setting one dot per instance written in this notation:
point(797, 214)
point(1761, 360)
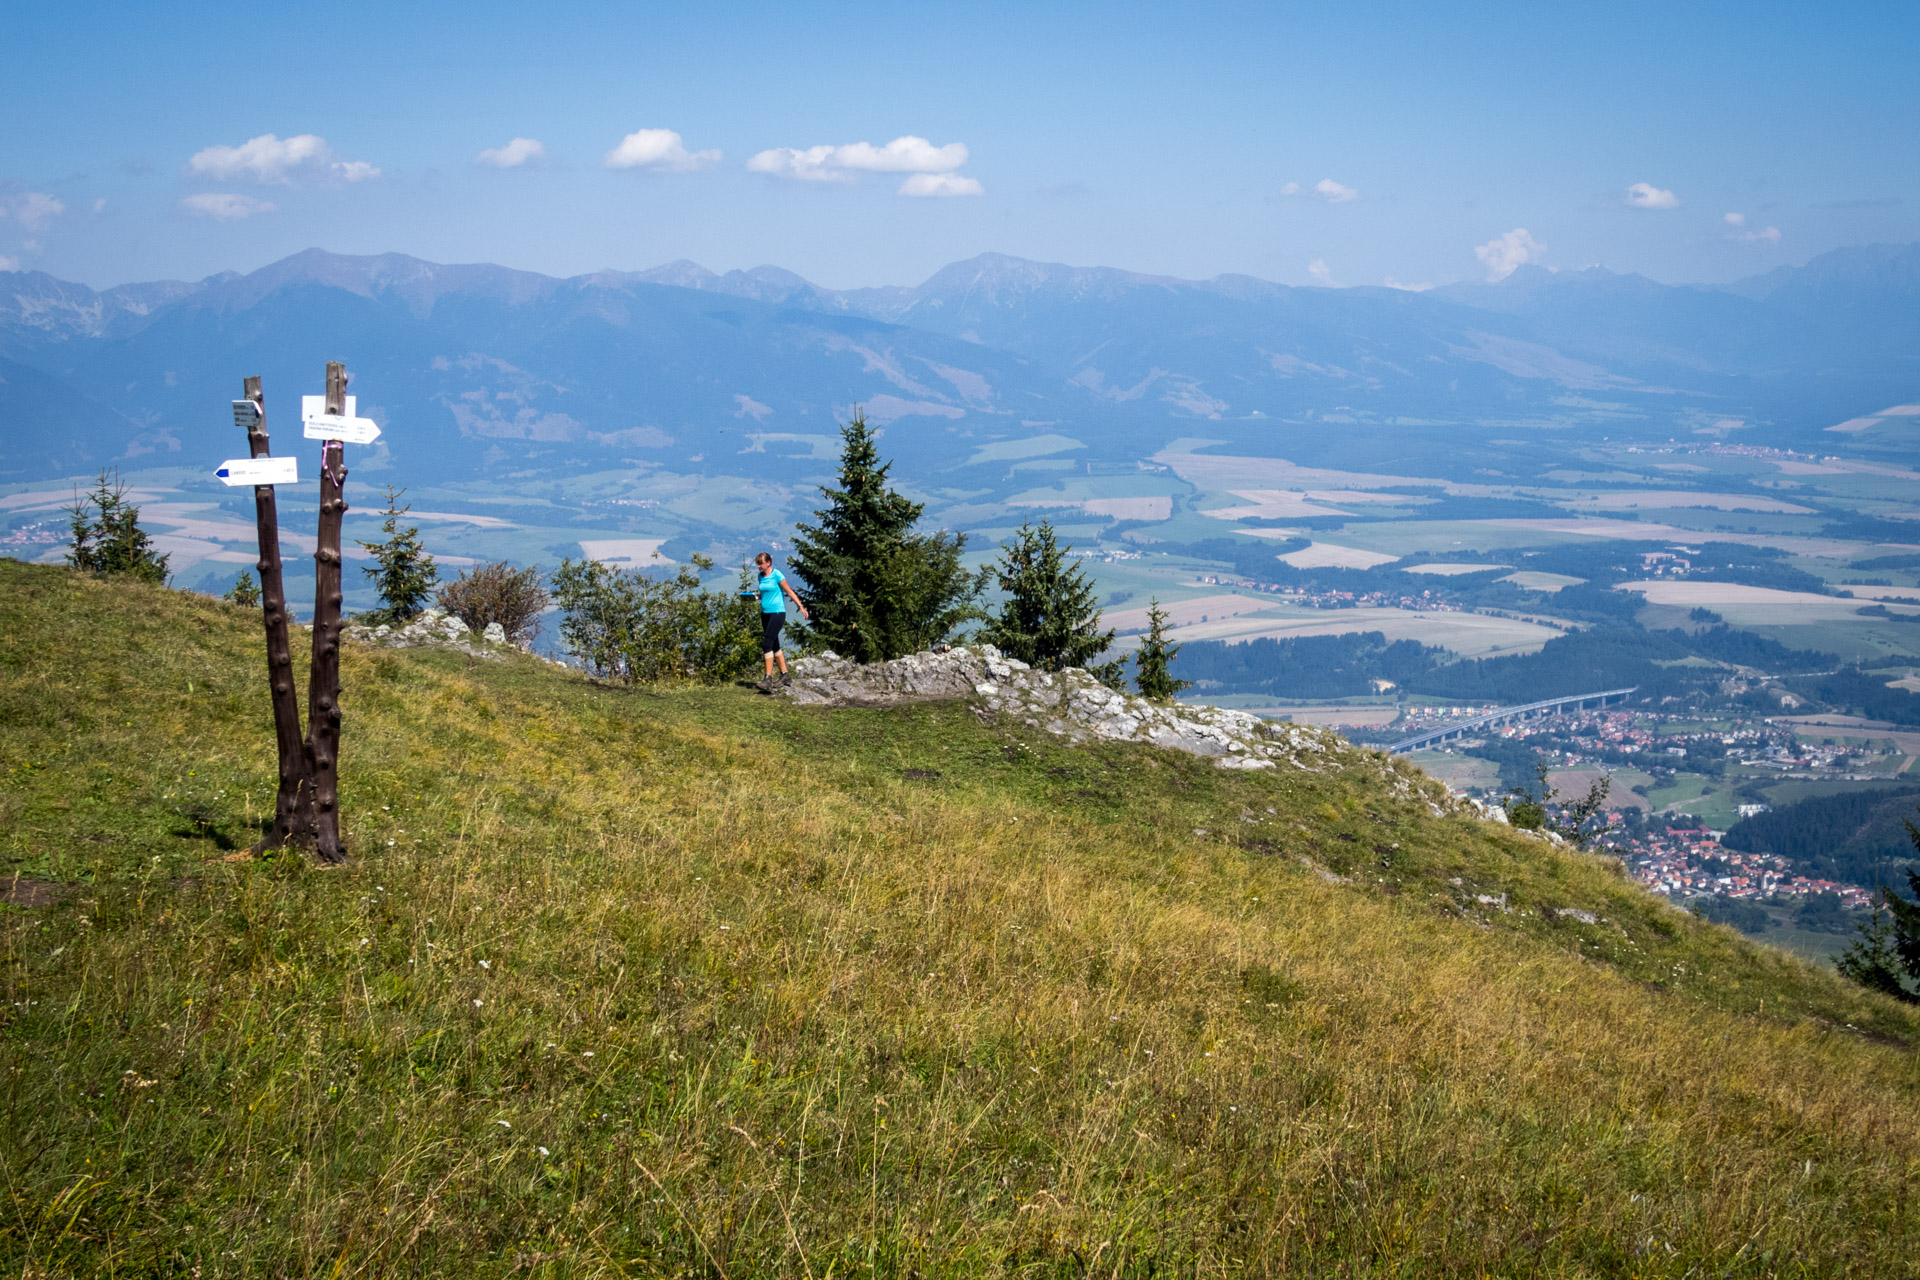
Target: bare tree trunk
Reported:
point(323, 688)
point(292, 809)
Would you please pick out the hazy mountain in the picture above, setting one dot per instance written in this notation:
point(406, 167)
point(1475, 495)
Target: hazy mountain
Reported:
point(483, 369)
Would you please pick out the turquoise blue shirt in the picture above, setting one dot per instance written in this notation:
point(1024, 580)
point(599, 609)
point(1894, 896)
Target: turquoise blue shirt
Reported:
point(770, 600)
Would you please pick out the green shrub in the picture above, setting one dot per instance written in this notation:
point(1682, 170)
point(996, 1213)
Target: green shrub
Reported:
point(629, 627)
point(497, 592)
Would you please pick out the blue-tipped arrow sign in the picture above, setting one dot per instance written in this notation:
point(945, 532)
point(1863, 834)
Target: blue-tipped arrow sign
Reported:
point(238, 471)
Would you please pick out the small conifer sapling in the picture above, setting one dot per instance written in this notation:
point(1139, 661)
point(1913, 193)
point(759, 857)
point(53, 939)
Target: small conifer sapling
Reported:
point(107, 537)
point(244, 592)
point(403, 572)
point(1886, 955)
point(1153, 661)
point(1050, 619)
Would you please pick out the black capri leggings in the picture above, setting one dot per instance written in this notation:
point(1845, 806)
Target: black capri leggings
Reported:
point(770, 624)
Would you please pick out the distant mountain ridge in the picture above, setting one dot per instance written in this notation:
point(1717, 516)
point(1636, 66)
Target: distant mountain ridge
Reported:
point(491, 367)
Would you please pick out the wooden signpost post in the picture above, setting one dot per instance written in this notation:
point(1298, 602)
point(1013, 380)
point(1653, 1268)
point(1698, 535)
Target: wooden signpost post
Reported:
point(323, 688)
point(292, 814)
point(307, 805)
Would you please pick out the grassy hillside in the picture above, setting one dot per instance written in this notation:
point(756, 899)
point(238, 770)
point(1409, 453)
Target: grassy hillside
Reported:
point(698, 983)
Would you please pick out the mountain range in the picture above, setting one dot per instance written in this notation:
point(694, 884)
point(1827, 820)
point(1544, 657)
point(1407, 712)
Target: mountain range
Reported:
point(481, 370)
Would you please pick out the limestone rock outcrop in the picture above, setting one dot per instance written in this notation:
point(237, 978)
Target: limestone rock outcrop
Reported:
point(1069, 704)
point(433, 627)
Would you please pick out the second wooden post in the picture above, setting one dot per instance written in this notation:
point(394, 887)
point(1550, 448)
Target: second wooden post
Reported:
point(323, 690)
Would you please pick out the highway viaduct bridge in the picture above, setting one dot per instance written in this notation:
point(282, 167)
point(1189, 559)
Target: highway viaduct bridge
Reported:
point(1505, 715)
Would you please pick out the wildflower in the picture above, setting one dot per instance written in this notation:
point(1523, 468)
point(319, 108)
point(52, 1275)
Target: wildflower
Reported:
point(485, 965)
point(543, 1151)
point(476, 1004)
point(503, 1124)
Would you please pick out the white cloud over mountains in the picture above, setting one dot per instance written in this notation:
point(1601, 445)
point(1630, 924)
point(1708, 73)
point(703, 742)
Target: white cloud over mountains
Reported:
point(931, 168)
point(1644, 195)
point(1740, 233)
point(520, 151)
point(279, 161)
point(225, 206)
point(33, 210)
point(661, 150)
point(1504, 255)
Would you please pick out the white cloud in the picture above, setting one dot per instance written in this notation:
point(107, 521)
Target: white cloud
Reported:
point(279, 161)
point(1335, 192)
point(1505, 254)
point(225, 206)
point(1644, 195)
point(1759, 235)
point(659, 149)
point(905, 154)
point(941, 184)
point(99, 206)
point(9, 264)
point(810, 165)
point(516, 153)
point(1391, 283)
point(1321, 273)
point(33, 210)
point(1291, 189)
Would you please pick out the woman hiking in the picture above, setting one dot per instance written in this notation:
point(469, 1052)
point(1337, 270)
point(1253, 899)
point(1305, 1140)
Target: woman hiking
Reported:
point(773, 616)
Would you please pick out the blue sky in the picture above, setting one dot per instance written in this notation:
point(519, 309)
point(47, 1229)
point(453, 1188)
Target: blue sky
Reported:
point(1342, 144)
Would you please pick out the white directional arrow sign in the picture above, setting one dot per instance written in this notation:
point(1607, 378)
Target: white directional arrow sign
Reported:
point(237, 471)
point(321, 425)
point(246, 414)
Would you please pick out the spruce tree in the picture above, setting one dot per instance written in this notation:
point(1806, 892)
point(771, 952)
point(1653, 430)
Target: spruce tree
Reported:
point(1153, 661)
point(875, 589)
point(107, 537)
point(403, 572)
point(1888, 948)
point(1049, 619)
point(245, 592)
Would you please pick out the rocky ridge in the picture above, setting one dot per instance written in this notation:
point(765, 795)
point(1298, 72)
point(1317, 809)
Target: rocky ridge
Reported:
point(434, 627)
point(1071, 704)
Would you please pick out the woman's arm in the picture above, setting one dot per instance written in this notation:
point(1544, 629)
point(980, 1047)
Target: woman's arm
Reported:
point(788, 588)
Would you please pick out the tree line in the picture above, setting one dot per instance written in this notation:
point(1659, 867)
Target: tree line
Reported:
point(877, 586)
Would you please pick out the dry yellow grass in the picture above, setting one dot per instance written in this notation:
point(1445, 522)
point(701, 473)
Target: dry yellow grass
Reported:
point(700, 984)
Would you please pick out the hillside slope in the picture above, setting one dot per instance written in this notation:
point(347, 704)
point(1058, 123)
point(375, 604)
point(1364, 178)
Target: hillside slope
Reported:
point(631, 983)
